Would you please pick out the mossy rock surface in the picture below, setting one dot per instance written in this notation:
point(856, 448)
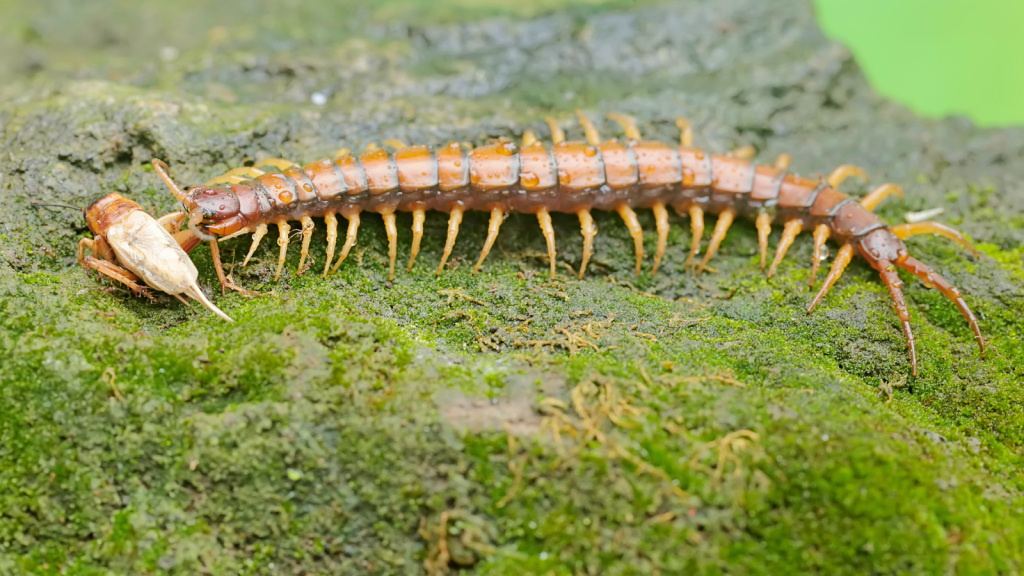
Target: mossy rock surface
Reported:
point(612, 425)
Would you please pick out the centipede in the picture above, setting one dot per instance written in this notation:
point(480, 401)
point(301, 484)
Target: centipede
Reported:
point(576, 177)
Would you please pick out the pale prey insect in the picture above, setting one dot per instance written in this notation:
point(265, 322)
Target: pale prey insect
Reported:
point(572, 177)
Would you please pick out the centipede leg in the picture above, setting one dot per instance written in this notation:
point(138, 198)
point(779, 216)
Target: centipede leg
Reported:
point(845, 171)
point(932, 279)
point(544, 219)
point(557, 134)
point(892, 281)
point(843, 257)
point(745, 152)
point(821, 234)
point(721, 229)
point(392, 233)
point(497, 217)
point(879, 194)
point(782, 161)
point(685, 131)
point(661, 222)
point(589, 231)
point(418, 216)
point(235, 175)
point(629, 217)
point(789, 233)
point(307, 235)
point(454, 219)
point(764, 229)
point(283, 229)
point(529, 138)
point(628, 124)
point(589, 130)
point(905, 231)
point(396, 144)
point(332, 238)
point(172, 222)
point(261, 231)
point(350, 238)
point(279, 163)
point(697, 229)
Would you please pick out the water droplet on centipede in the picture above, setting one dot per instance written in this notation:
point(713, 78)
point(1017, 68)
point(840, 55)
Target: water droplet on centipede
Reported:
point(590, 151)
point(699, 154)
point(564, 177)
point(221, 207)
point(529, 179)
point(286, 196)
point(824, 253)
point(210, 192)
point(307, 187)
point(507, 149)
point(458, 163)
point(454, 146)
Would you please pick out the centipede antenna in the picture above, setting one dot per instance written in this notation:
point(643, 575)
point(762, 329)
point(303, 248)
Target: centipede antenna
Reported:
point(163, 172)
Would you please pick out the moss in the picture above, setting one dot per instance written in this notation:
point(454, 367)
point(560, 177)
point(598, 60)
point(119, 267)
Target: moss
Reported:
point(705, 423)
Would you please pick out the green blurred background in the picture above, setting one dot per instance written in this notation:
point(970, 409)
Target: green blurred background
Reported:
point(939, 57)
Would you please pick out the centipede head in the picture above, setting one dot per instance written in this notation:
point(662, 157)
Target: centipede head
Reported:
point(882, 246)
point(208, 206)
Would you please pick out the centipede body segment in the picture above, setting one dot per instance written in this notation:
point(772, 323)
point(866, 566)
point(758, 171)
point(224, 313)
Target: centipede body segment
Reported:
point(569, 177)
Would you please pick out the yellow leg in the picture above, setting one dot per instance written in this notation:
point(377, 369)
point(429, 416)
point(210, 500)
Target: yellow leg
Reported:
point(396, 144)
point(629, 217)
point(721, 228)
point(371, 147)
point(879, 194)
point(764, 228)
point(686, 131)
point(783, 161)
point(307, 234)
point(846, 171)
point(821, 234)
point(908, 230)
point(283, 229)
point(332, 239)
point(589, 231)
point(529, 138)
point(418, 216)
point(661, 221)
point(593, 137)
point(544, 219)
point(454, 219)
point(261, 231)
point(557, 134)
point(744, 152)
point(789, 233)
point(838, 266)
point(497, 217)
point(628, 124)
point(341, 153)
point(236, 175)
point(697, 229)
point(392, 232)
point(279, 163)
point(350, 239)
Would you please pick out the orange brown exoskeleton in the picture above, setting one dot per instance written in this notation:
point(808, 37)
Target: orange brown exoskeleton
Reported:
point(131, 246)
point(570, 177)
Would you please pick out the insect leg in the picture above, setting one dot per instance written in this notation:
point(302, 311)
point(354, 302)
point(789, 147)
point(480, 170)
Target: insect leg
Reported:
point(932, 279)
point(589, 231)
point(497, 217)
point(661, 221)
point(307, 234)
point(892, 282)
point(453, 231)
point(332, 239)
point(764, 228)
point(842, 259)
point(721, 228)
point(589, 130)
point(389, 227)
point(544, 219)
point(789, 233)
point(697, 229)
point(350, 238)
point(261, 231)
point(878, 194)
point(418, 216)
point(628, 124)
point(821, 234)
point(629, 217)
point(907, 230)
point(111, 270)
point(283, 229)
point(98, 246)
point(172, 222)
point(846, 171)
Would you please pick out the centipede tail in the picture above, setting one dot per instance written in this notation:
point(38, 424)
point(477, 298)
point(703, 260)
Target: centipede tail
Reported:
point(572, 177)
